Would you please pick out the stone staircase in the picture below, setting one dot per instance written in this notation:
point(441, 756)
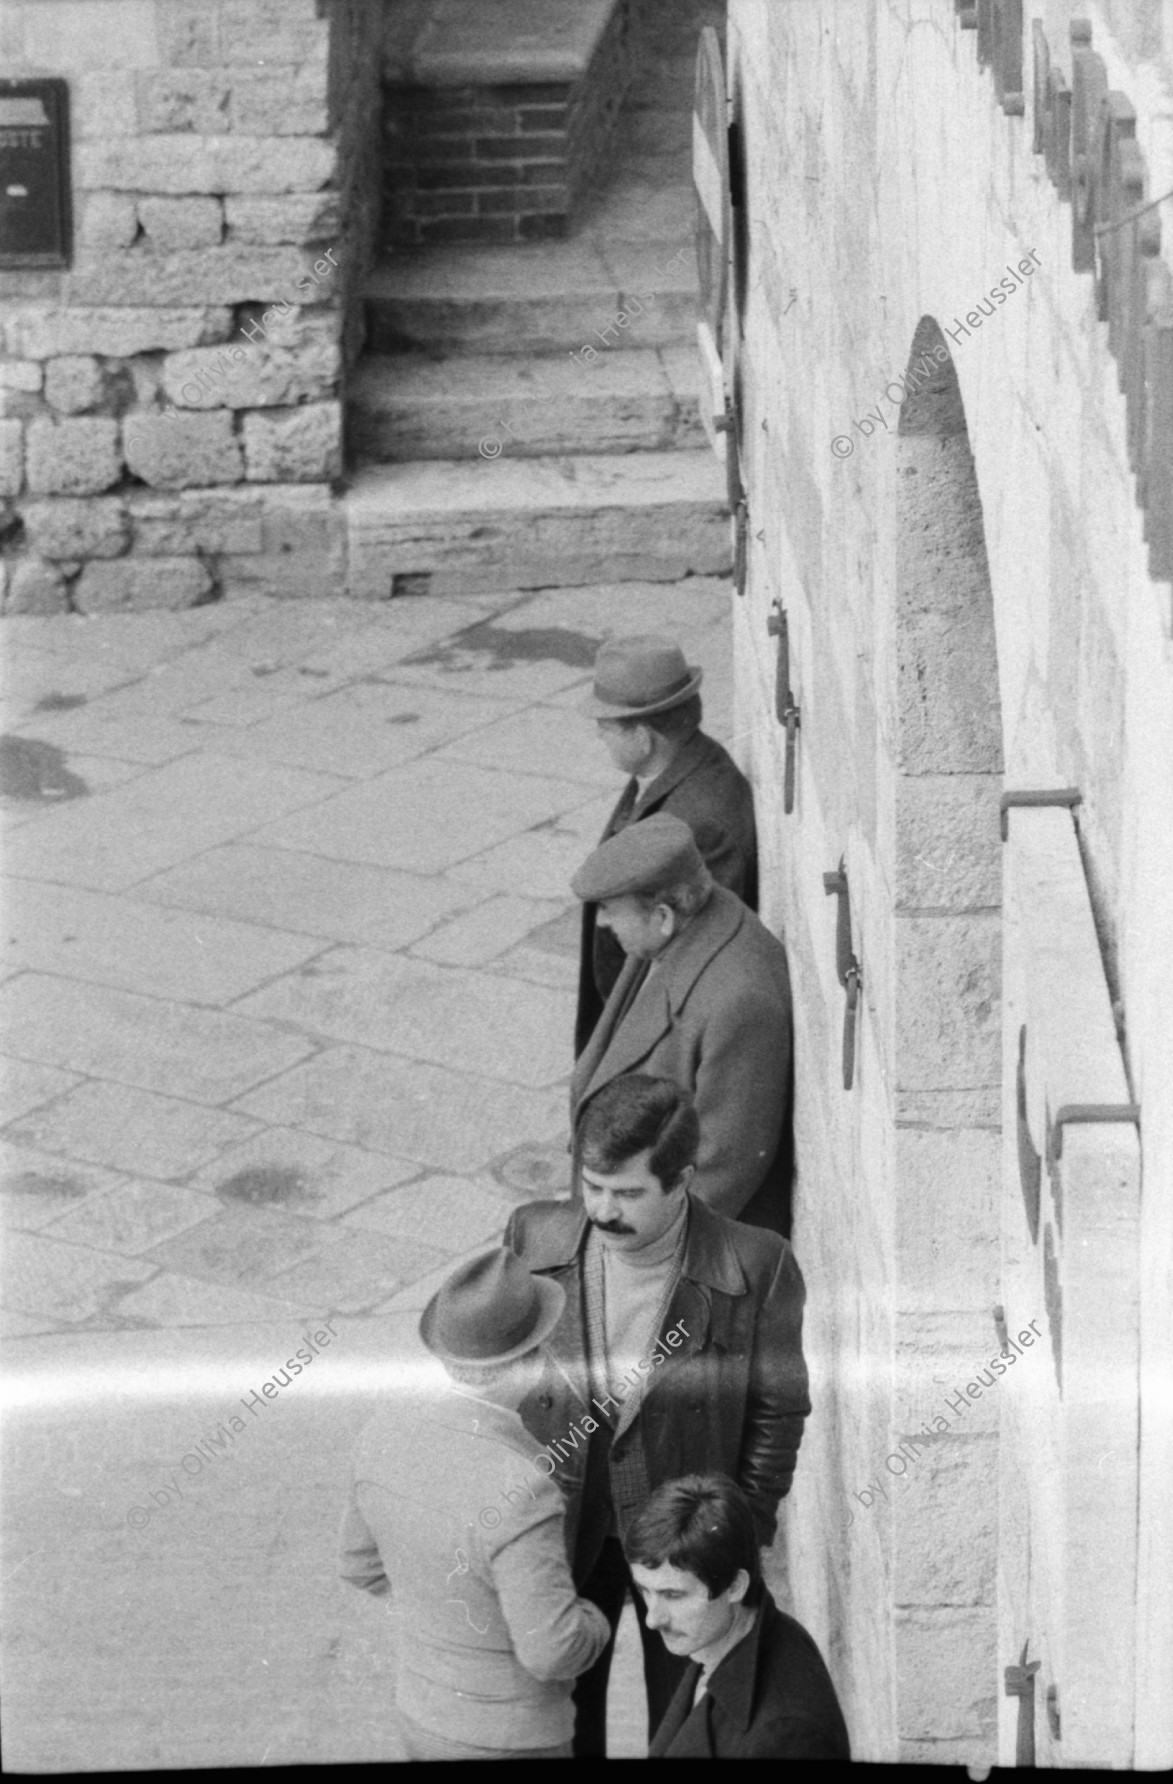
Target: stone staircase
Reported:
point(528, 415)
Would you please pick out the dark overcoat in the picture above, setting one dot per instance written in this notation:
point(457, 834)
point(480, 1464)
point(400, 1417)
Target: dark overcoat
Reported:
point(731, 1399)
point(771, 1698)
point(713, 1015)
point(704, 786)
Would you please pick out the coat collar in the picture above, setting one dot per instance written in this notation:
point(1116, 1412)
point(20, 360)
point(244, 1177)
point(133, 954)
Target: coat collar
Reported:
point(733, 1683)
point(691, 756)
point(710, 1259)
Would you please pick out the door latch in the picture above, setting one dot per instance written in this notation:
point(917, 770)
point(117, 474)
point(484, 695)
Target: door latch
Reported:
point(847, 967)
point(786, 712)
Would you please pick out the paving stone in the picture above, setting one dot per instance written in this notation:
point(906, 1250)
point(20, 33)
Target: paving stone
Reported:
point(34, 676)
point(541, 968)
point(469, 1021)
point(154, 1043)
point(483, 933)
point(361, 730)
point(172, 1300)
point(160, 819)
point(131, 1130)
point(542, 860)
point(64, 930)
point(66, 1282)
point(25, 1325)
point(133, 1217)
point(25, 1086)
point(96, 731)
point(240, 1247)
point(284, 1169)
point(607, 609)
point(452, 1213)
point(538, 740)
point(343, 900)
point(533, 1172)
point(35, 1187)
point(359, 1271)
point(391, 821)
point(482, 660)
point(444, 1119)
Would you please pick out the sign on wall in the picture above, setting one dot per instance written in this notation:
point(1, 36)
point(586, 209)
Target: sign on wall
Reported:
point(35, 226)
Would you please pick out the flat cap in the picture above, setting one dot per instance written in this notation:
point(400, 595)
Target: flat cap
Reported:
point(647, 856)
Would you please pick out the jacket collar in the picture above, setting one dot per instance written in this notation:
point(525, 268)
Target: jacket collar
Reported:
point(686, 957)
point(732, 1684)
point(710, 1259)
point(686, 761)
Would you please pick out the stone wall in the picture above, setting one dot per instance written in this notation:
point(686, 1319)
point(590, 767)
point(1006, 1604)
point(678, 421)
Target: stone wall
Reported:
point(172, 419)
point(966, 582)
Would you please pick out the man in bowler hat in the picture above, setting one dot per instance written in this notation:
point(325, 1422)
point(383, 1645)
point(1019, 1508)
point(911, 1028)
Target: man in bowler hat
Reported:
point(704, 999)
point(454, 1513)
point(646, 704)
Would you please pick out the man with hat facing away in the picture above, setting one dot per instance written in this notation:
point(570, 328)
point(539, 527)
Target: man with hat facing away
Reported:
point(679, 1349)
point(454, 1514)
point(647, 706)
point(704, 999)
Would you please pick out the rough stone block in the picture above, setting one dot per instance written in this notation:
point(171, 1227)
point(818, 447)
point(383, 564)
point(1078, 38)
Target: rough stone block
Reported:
point(182, 451)
point(183, 164)
point(117, 333)
point(948, 847)
point(294, 445)
point(947, 1674)
point(946, 1225)
point(299, 217)
point(276, 101)
point(173, 224)
point(105, 34)
point(250, 28)
point(72, 527)
point(72, 458)
point(189, 34)
point(11, 457)
point(230, 274)
point(948, 1013)
point(103, 104)
point(108, 220)
point(133, 585)
point(20, 374)
point(173, 99)
point(206, 521)
point(36, 587)
point(251, 377)
point(74, 383)
point(949, 1485)
point(292, 576)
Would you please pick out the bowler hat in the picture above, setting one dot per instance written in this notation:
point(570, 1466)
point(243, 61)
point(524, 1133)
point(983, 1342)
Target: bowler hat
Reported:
point(636, 677)
point(491, 1310)
point(648, 856)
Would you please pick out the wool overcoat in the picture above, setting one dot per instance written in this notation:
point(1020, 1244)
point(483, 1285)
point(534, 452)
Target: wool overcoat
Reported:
point(732, 1399)
point(703, 786)
point(771, 1698)
point(714, 1015)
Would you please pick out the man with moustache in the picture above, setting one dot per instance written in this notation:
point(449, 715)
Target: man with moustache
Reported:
point(679, 1350)
point(646, 705)
point(755, 1686)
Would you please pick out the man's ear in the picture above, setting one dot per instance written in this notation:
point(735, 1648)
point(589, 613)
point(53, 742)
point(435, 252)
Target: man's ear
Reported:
point(740, 1586)
point(667, 920)
point(685, 1178)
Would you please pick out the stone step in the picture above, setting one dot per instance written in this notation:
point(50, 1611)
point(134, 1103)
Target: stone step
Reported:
point(549, 297)
point(453, 526)
point(409, 406)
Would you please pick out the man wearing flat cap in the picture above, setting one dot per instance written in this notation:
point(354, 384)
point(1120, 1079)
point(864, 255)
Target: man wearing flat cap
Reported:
point(647, 706)
point(454, 1515)
point(704, 999)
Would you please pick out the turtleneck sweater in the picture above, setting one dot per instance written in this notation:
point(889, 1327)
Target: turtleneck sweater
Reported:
point(634, 1287)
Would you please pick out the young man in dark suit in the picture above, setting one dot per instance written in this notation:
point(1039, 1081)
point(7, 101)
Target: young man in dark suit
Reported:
point(756, 1686)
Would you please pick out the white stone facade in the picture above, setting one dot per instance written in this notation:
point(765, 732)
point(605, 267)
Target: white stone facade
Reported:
point(966, 580)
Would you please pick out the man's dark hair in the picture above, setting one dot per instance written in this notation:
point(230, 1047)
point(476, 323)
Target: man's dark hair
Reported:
point(637, 1114)
point(703, 1525)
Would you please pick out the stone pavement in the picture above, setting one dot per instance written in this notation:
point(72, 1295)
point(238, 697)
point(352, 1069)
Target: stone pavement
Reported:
point(287, 990)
